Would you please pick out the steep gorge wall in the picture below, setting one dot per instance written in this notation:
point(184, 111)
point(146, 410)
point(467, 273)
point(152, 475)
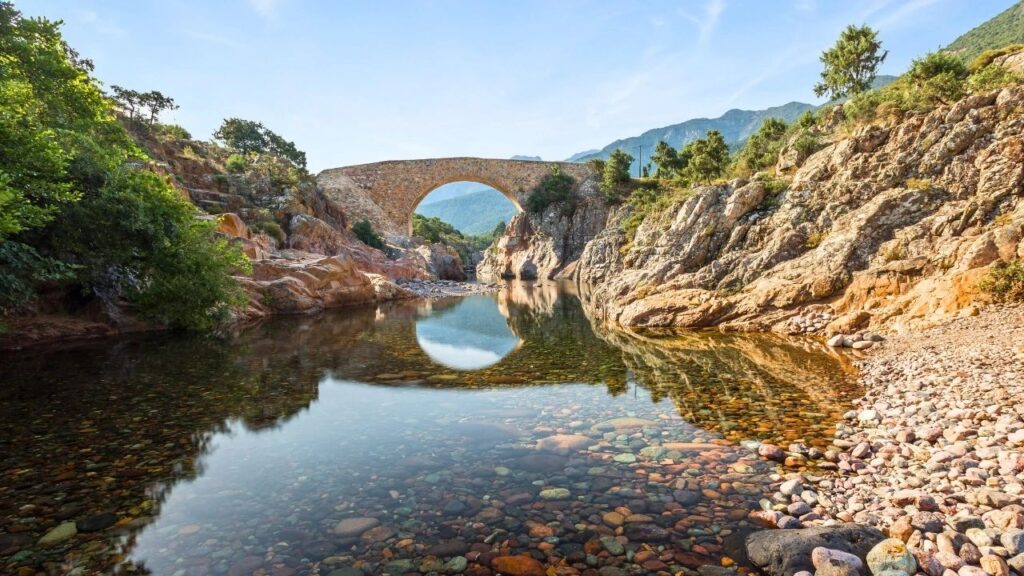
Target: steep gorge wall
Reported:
point(891, 226)
point(546, 245)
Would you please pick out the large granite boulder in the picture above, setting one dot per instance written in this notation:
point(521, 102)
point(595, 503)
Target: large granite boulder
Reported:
point(786, 552)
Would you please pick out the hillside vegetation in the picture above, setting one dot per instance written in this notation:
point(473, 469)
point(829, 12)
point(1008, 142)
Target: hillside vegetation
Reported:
point(1006, 28)
point(474, 213)
point(82, 217)
point(735, 126)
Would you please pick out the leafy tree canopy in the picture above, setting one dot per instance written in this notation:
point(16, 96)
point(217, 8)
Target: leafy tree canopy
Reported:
point(76, 205)
point(248, 136)
point(851, 64)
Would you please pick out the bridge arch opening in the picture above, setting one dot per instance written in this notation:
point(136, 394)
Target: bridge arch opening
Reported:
point(474, 206)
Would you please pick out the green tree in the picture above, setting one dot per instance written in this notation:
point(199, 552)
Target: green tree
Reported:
point(762, 148)
point(667, 160)
point(157, 103)
point(243, 135)
point(556, 187)
point(247, 136)
point(708, 157)
point(851, 64)
point(938, 77)
point(616, 175)
point(78, 205)
point(367, 235)
point(129, 100)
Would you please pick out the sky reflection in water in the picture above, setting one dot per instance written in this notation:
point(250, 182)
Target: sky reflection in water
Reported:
point(443, 421)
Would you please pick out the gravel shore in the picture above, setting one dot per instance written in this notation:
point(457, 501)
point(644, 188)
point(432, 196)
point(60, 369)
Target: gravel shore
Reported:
point(447, 288)
point(933, 454)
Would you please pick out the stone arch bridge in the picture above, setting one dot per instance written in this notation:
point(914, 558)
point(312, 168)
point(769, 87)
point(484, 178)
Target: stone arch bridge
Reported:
point(387, 193)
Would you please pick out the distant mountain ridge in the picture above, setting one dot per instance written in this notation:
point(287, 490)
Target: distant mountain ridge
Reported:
point(735, 125)
point(1005, 28)
point(474, 213)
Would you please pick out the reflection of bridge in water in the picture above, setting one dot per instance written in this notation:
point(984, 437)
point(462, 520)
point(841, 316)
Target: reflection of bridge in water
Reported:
point(114, 404)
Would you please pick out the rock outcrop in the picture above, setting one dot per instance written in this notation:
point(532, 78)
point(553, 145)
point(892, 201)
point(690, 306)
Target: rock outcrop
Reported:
point(891, 226)
point(297, 282)
point(442, 261)
point(546, 245)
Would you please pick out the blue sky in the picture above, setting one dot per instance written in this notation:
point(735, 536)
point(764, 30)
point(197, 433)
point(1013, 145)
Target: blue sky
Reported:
point(354, 82)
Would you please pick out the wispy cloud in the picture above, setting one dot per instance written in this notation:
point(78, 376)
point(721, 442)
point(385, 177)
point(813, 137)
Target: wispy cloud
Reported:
point(104, 26)
point(265, 8)
point(217, 39)
point(706, 22)
point(805, 5)
point(903, 13)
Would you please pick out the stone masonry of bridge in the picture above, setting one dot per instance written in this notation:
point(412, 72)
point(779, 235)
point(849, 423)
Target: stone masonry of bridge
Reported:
point(386, 193)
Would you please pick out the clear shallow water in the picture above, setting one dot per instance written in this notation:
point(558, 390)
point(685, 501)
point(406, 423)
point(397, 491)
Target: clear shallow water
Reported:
point(475, 427)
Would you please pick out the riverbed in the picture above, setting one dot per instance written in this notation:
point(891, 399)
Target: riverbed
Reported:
point(482, 434)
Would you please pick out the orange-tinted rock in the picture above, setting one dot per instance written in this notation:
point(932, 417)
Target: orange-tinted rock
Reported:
point(518, 566)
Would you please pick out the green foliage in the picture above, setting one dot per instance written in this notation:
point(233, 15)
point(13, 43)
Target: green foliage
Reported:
point(651, 198)
point(668, 160)
point(171, 132)
point(1005, 282)
point(75, 212)
point(708, 157)
point(989, 56)
point(236, 164)
point(367, 235)
point(615, 176)
point(993, 77)
point(143, 105)
point(555, 188)
point(1004, 29)
point(762, 148)
point(270, 228)
point(937, 78)
point(807, 120)
point(432, 230)
point(247, 136)
point(806, 144)
point(437, 231)
point(851, 64)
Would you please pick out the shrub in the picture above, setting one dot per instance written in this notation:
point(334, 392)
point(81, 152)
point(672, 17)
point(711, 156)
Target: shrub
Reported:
point(272, 229)
point(762, 148)
point(989, 56)
point(814, 240)
point(556, 187)
point(881, 104)
point(171, 132)
point(807, 120)
point(236, 164)
point(806, 144)
point(992, 77)
point(1005, 282)
point(936, 78)
point(367, 235)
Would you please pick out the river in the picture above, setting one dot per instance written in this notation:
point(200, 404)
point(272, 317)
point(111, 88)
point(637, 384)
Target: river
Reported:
point(426, 436)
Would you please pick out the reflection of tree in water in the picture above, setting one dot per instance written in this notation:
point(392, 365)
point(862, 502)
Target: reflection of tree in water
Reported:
point(113, 427)
point(742, 385)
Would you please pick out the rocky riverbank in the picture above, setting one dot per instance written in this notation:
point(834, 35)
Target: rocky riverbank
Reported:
point(447, 288)
point(932, 455)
